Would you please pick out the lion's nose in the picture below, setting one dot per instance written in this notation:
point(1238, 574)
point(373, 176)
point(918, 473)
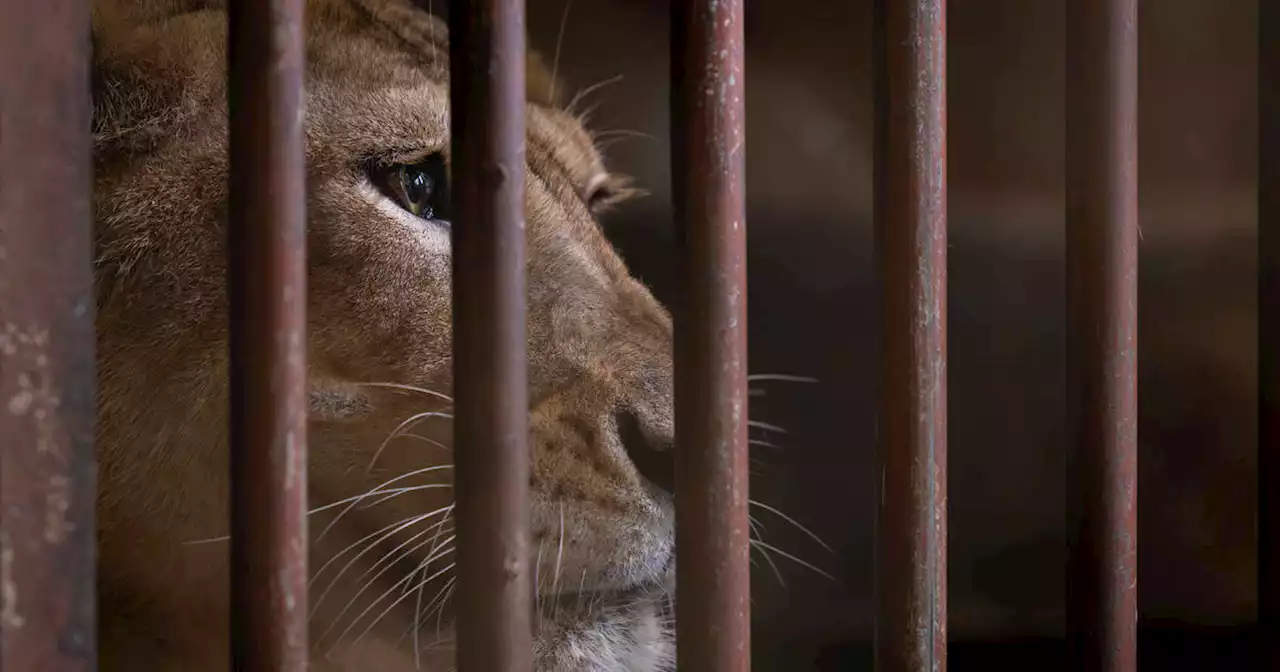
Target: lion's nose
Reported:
point(650, 449)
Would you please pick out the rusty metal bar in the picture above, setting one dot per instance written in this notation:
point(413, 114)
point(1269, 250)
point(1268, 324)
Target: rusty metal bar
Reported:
point(1269, 331)
point(910, 41)
point(713, 626)
point(266, 279)
point(47, 378)
point(1102, 324)
point(491, 424)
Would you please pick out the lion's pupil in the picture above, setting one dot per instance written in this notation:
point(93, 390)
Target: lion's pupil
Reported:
point(422, 188)
point(418, 186)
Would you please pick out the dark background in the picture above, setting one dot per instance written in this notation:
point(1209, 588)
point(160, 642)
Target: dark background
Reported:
point(809, 186)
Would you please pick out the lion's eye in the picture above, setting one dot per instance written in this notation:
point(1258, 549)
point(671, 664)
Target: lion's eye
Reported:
point(421, 188)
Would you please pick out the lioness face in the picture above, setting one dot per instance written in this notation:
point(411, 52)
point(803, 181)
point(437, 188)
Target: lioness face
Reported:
point(380, 347)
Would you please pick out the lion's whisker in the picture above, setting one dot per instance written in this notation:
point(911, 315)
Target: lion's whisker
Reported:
point(210, 540)
point(441, 595)
point(755, 529)
point(408, 588)
point(789, 519)
point(582, 586)
point(426, 439)
point(408, 422)
point(589, 90)
point(391, 493)
point(392, 557)
point(411, 388)
point(374, 491)
point(786, 377)
point(555, 61)
point(439, 526)
point(555, 582)
point(606, 143)
point(766, 426)
point(374, 544)
point(438, 643)
point(610, 137)
point(401, 491)
point(440, 608)
point(398, 525)
point(537, 568)
point(798, 561)
point(424, 611)
point(360, 617)
point(624, 132)
point(350, 603)
point(416, 625)
point(586, 115)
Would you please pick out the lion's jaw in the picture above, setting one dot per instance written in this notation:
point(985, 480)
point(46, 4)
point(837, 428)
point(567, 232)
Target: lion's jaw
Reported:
point(379, 311)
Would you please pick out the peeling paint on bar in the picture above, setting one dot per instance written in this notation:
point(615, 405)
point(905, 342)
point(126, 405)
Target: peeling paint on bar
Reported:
point(47, 375)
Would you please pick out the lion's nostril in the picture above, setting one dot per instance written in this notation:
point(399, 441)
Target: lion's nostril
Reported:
point(651, 453)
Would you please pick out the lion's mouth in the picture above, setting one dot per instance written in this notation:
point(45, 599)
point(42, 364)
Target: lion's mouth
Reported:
point(656, 590)
point(576, 609)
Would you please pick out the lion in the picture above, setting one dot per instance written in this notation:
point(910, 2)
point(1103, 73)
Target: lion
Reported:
point(377, 149)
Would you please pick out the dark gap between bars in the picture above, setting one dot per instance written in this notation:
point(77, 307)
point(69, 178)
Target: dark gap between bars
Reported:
point(1269, 333)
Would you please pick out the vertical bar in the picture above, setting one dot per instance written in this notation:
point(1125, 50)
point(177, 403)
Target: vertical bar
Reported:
point(911, 249)
point(1102, 323)
point(713, 626)
point(266, 262)
point(491, 423)
point(47, 373)
point(1269, 331)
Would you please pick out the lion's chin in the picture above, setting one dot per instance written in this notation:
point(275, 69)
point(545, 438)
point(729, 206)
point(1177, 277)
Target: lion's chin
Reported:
point(613, 631)
point(606, 632)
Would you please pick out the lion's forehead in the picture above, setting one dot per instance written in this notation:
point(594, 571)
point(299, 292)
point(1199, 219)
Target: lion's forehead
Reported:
point(414, 117)
point(403, 89)
point(374, 82)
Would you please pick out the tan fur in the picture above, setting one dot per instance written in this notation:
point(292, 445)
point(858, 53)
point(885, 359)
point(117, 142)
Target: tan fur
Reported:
point(379, 304)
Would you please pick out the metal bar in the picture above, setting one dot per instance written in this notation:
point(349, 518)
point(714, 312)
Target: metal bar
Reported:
point(47, 371)
point(911, 249)
point(267, 273)
point(713, 626)
point(491, 423)
point(1102, 324)
point(1269, 331)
